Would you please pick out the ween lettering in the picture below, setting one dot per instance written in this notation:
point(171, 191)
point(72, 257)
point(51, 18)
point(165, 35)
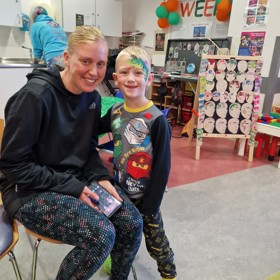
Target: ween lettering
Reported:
point(198, 8)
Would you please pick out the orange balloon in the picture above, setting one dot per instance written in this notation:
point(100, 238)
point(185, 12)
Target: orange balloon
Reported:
point(172, 5)
point(163, 4)
point(224, 6)
point(221, 16)
point(163, 22)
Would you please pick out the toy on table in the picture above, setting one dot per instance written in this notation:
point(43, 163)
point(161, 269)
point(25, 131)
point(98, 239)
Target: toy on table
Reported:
point(271, 119)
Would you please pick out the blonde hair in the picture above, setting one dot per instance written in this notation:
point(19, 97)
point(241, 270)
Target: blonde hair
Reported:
point(83, 35)
point(137, 52)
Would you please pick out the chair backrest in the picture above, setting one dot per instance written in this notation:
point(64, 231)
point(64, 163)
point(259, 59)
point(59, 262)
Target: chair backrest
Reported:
point(9, 233)
point(166, 111)
point(119, 94)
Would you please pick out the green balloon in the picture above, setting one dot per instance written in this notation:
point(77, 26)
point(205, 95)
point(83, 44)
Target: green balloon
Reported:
point(161, 12)
point(173, 18)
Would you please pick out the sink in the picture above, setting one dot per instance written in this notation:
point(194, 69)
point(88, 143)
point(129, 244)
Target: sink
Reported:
point(19, 62)
point(16, 60)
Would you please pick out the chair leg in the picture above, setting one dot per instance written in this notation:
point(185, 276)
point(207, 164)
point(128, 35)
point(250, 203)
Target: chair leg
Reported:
point(35, 257)
point(134, 272)
point(15, 265)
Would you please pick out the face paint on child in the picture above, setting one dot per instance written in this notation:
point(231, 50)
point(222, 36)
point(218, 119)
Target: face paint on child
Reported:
point(140, 63)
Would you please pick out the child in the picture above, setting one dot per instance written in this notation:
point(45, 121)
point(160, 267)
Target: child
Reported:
point(141, 151)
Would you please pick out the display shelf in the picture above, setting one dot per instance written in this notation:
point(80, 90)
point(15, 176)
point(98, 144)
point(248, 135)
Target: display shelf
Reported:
point(164, 95)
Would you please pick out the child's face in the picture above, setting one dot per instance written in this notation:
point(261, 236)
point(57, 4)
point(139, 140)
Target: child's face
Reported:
point(132, 76)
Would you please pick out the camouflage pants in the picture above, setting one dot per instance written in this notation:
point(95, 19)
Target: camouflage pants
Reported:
point(157, 243)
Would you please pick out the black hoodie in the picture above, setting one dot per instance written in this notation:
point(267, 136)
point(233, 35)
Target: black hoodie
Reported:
point(49, 141)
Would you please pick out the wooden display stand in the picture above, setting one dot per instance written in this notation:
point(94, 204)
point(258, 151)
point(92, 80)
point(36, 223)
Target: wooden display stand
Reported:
point(192, 123)
point(227, 100)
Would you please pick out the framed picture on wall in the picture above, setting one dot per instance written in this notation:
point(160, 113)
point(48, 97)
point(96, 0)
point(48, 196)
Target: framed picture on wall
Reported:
point(160, 41)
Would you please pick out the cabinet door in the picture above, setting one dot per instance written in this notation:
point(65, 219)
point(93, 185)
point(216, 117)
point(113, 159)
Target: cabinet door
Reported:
point(108, 16)
point(10, 13)
point(71, 9)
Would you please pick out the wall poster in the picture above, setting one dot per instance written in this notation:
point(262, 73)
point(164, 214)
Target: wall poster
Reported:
point(160, 41)
point(256, 15)
point(251, 43)
point(228, 101)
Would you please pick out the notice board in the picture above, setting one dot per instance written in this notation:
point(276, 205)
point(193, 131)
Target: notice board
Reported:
point(228, 98)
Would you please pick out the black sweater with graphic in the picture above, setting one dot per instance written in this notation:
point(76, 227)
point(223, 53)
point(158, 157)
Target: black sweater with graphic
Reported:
point(141, 152)
point(49, 141)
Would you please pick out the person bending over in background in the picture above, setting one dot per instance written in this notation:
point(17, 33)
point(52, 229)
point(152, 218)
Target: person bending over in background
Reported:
point(141, 136)
point(48, 38)
point(49, 157)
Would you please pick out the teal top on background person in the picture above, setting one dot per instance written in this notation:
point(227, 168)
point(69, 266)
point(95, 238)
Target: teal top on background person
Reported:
point(48, 38)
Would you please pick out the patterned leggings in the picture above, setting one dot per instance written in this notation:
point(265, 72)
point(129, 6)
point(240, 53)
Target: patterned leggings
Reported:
point(69, 220)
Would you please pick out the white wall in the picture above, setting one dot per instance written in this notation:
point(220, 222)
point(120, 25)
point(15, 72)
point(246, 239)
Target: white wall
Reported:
point(272, 30)
point(12, 38)
point(140, 15)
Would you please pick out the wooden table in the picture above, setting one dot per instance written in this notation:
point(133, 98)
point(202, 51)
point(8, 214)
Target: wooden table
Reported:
point(269, 130)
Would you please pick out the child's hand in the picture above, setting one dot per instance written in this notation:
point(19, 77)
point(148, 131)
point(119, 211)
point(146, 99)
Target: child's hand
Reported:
point(110, 189)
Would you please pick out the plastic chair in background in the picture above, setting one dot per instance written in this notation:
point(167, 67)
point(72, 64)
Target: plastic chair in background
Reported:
point(119, 94)
point(8, 239)
point(166, 111)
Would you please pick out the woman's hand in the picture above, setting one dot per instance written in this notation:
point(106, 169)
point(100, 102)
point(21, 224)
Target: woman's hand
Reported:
point(88, 197)
point(110, 189)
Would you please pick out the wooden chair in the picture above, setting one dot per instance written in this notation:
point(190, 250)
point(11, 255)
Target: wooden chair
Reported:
point(8, 239)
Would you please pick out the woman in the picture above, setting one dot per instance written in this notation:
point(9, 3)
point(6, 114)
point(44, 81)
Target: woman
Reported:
point(48, 159)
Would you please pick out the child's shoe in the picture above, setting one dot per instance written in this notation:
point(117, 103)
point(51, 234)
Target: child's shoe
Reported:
point(107, 265)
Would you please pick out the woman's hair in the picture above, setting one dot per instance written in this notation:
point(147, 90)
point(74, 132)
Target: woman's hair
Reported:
point(135, 52)
point(83, 35)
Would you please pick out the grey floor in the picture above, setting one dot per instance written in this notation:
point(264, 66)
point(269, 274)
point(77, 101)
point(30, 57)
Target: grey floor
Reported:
point(224, 228)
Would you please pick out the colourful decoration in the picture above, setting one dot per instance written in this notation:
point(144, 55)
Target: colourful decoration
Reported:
point(163, 22)
point(173, 18)
point(223, 9)
point(172, 5)
point(161, 12)
point(167, 14)
point(221, 16)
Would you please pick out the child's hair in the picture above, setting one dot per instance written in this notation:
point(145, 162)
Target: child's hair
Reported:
point(135, 52)
point(83, 35)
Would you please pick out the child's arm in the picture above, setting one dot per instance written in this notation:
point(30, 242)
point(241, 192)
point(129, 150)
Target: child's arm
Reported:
point(160, 137)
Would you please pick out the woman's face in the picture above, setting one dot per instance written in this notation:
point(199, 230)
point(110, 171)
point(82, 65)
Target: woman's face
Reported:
point(85, 67)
